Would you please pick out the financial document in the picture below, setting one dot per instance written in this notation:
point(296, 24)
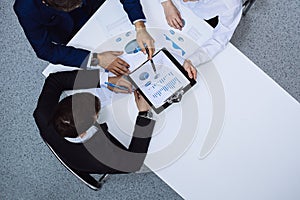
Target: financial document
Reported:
point(160, 85)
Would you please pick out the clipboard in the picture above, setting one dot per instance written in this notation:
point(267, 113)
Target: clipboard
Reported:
point(165, 86)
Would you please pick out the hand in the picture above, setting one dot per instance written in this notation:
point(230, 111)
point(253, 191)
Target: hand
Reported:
point(143, 37)
point(141, 103)
point(172, 14)
point(120, 81)
point(109, 60)
point(191, 70)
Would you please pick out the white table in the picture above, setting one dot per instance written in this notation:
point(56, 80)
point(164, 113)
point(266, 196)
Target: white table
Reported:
point(257, 156)
point(244, 142)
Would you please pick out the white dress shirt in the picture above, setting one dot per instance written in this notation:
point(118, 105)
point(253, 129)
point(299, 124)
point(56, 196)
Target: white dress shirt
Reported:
point(89, 133)
point(229, 13)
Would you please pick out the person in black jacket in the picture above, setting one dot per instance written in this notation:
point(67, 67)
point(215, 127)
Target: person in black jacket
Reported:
point(69, 126)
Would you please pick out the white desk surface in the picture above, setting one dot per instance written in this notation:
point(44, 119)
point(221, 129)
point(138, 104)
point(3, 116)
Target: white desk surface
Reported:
point(256, 152)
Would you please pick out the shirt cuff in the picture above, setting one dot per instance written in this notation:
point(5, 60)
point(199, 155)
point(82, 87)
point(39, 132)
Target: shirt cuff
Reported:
point(92, 61)
point(161, 1)
point(139, 20)
point(103, 76)
point(86, 62)
point(200, 56)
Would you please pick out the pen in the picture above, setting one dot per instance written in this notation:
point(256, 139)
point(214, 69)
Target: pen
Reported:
point(116, 86)
point(152, 63)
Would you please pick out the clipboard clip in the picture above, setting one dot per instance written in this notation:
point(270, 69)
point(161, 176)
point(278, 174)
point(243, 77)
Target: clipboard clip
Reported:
point(176, 97)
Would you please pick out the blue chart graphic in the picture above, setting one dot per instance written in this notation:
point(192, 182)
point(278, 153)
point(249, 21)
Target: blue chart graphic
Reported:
point(180, 39)
point(128, 34)
point(148, 83)
point(132, 47)
point(174, 45)
point(167, 87)
point(143, 76)
point(172, 32)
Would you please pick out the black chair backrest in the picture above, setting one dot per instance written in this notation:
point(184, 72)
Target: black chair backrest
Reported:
point(86, 178)
point(247, 5)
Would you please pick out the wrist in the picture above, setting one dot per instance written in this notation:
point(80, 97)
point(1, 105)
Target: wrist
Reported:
point(139, 25)
point(98, 56)
point(113, 80)
point(166, 3)
point(94, 60)
point(146, 114)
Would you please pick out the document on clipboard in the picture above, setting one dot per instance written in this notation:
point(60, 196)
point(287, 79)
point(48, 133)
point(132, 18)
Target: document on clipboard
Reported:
point(164, 86)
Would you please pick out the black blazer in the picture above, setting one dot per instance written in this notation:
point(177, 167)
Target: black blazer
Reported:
point(100, 154)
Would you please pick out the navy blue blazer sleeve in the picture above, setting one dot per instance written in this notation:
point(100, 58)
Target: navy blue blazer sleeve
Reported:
point(133, 9)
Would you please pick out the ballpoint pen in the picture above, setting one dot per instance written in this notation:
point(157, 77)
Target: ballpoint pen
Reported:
point(116, 86)
point(152, 63)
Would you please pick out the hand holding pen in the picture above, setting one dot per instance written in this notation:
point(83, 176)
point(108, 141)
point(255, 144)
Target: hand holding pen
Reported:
point(151, 61)
point(119, 85)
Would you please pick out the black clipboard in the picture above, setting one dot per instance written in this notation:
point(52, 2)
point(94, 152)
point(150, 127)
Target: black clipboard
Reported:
point(165, 86)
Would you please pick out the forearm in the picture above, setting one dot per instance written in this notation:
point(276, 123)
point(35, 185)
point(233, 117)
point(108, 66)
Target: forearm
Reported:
point(205, 53)
point(118, 158)
point(64, 55)
point(228, 21)
point(138, 147)
point(142, 135)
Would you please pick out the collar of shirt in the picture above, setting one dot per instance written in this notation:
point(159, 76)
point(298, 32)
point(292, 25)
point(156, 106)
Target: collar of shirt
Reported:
point(89, 133)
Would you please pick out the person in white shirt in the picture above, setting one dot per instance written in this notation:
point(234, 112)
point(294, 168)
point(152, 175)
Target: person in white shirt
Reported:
point(229, 13)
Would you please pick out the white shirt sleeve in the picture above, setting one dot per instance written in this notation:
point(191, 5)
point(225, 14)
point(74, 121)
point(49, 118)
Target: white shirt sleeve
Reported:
point(103, 76)
point(89, 133)
point(200, 56)
point(161, 1)
point(138, 20)
point(89, 60)
point(228, 21)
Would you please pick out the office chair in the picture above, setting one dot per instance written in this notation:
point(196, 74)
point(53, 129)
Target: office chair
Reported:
point(247, 5)
point(86, 178)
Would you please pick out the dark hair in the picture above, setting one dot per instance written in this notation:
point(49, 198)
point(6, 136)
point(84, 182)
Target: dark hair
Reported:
point(75, 114)
point(64, 5)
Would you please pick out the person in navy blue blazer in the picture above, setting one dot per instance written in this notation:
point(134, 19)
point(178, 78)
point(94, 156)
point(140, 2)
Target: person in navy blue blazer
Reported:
point(50, 24)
